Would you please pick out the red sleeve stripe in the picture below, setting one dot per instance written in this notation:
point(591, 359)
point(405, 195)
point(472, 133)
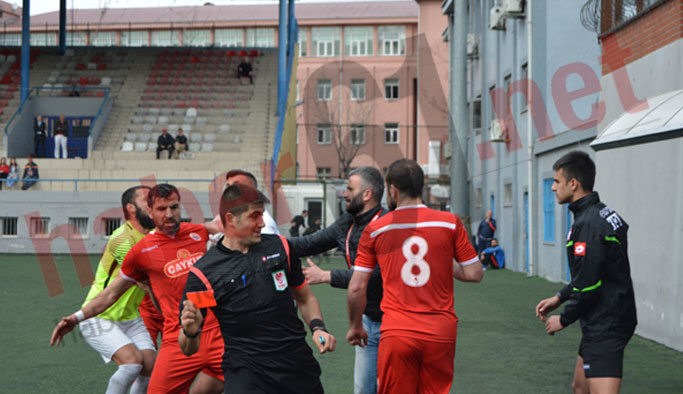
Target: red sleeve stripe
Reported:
point(470, 261)
point(300, 286)
point(402, 226)
point(362, 269)
point(201, 277)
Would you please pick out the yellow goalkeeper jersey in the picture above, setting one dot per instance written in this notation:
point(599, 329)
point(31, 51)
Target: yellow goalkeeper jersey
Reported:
point(120, 242)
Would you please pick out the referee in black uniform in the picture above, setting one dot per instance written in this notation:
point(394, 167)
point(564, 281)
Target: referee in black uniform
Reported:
point(254, 281)
point(600, 293)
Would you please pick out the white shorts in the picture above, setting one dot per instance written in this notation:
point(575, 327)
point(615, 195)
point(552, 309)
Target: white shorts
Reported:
point(107, 336)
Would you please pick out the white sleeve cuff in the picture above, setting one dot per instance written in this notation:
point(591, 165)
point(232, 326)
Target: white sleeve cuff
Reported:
point(469, 262)
point(126, 277)
point(362, 269)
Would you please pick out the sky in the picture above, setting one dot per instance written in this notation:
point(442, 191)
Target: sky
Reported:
point(43, 6)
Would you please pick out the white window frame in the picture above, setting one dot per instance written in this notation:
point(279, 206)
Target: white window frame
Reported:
point(9, 226)
point(395, 85)
point(197, 37)
point(228, 37)
point(43, 39)
point(159, 39)
point(260, 37)
point(357, 90)
point(110, 225)
point(137, 38)
point(325, 41)
point(357, 134)
point(392, 40)
point(303, 41)
point(391, 133)
point(358, 41)
point(81, 225)
point(323, 172)
point(102, 38)
point(324, 134)
point(324, 90)
point(38, 223)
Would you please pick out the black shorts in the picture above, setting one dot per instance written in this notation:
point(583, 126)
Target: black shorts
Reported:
point(296, 372)
point(603, 358)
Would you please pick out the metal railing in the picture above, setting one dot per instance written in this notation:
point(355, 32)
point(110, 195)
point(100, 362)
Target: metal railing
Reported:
point(128, 180)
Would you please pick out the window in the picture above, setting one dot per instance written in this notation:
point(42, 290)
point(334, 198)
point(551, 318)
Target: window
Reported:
point(357, 135)
point(43, 39)
point(40, 227)
point(76, 38)
point(134, 38)
point(323, 172)
point(391, 133)
point(298, 96)
point(392, 40)
point(324, 89)
point(303, 41)
point(103, 38)
point(548, 211)
point(165, 38)
point(325, 41)
point(358, 41)
point(8, 226)
point(228, 37)
point(78, 228)
point(10, 39)
point(358, 89)
point(391, 89)
point(525, 76)
point(479, 198)
point(493, 103)
point(260, 37)
point(196, 38)
point(324, 134)
point(476, 114)
point(507, 196)
point(507, 81)
point(110, 224)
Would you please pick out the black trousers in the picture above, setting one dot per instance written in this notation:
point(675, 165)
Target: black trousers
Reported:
point(39, 142)
point(170, 152)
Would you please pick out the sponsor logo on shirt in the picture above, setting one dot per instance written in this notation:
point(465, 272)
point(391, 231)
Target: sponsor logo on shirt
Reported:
point(145, 250)
point(272, 256)
point(280, 280)
point(195, 236)
point(580, 249)
point(182, 264)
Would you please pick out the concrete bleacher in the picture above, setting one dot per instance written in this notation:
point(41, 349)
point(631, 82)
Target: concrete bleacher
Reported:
point(229, 122)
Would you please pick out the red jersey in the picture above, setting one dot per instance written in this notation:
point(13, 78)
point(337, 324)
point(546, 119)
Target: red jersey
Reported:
point(415, 247)
point(166, 261)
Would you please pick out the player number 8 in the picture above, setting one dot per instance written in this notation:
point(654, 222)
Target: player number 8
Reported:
point(415, 262)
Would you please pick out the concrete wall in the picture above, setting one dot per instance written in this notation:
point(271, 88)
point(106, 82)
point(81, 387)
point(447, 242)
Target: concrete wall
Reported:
point(564, 123)
point(20, 135)
point(60, 206)
point(653, 208)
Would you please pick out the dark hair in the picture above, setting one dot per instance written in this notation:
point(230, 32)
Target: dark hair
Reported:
point(407, 176)
point(128, 197)
point(577, 165)
point(371, 179)
point(237, 172)
point(237, 198)
point(162, 190)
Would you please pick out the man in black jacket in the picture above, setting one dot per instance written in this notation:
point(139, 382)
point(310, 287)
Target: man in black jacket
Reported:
point(363, 196)
point(39, 136)
point(165, 142)
point(180, 144)
point(601, 291)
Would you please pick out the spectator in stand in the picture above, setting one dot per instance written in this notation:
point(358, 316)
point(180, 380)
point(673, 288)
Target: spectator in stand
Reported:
point(180, 144)
point(4, 171)
point(165, 142)
point(245, 70)
point(74, 92)
point(493, 256)
point(30, 173)
point(60, 133)
point(13, 172)
point(39, 128)
point(297, 222)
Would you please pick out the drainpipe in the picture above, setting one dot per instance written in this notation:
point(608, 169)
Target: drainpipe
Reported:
point(530, 139)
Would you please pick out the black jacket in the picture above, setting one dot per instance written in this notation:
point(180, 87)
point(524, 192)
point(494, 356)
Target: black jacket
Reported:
point(336, 236)
point(165, 141)
point(601, 291)
point(39, 130)
point(61, 128)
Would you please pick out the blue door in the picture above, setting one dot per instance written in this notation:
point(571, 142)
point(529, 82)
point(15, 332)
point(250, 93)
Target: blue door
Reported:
point(526, 229)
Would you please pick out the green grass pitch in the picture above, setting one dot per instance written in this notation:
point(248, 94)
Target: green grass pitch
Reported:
point(501, 348)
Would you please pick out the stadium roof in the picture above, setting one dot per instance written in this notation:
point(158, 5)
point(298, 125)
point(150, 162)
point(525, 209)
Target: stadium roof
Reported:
point(232, 13)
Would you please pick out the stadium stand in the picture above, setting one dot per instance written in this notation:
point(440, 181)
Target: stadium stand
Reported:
point(229, 122)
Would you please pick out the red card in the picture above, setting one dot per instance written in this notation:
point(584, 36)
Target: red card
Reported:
point(202, 299)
